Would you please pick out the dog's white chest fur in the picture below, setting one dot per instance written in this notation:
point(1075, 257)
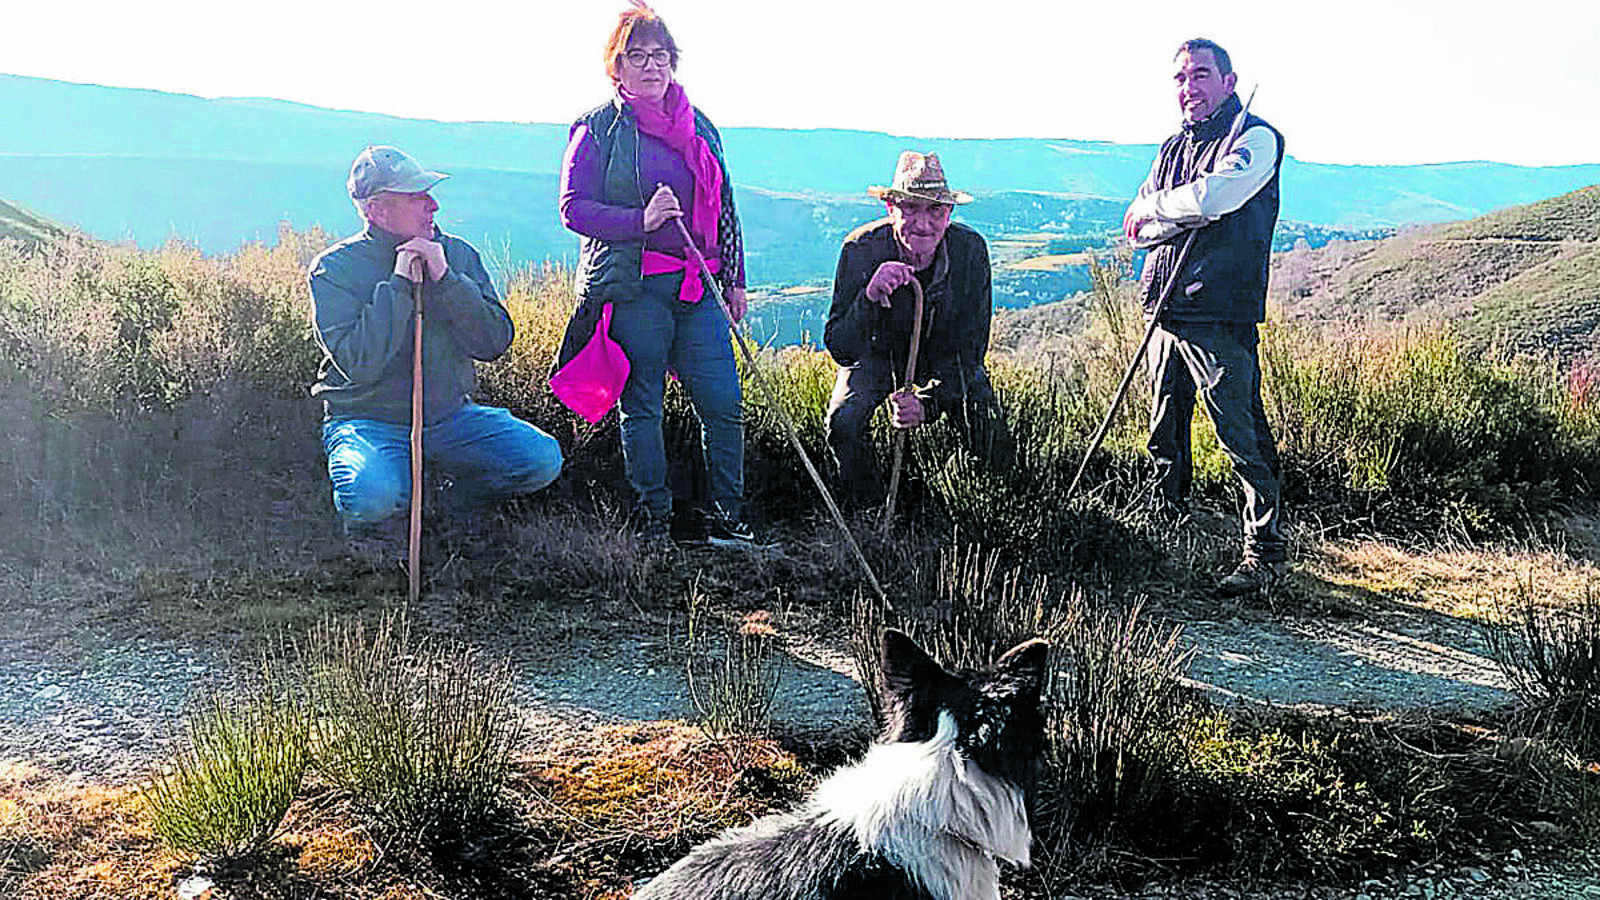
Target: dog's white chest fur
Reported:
point(932, 812)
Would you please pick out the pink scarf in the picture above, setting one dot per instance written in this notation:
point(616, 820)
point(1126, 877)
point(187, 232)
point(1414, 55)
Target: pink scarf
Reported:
point(673, 123)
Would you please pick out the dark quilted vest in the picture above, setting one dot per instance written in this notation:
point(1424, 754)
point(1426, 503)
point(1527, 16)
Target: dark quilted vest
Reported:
point(1224, 278)
point(607, 267)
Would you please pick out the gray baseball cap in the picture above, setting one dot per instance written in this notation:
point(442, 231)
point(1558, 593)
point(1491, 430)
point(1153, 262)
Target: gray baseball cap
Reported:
point(389, 169)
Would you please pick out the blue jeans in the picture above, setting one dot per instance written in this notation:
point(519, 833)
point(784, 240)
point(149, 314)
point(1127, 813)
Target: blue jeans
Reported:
point(1219, 360)
point(486, 451)
point(658, 331)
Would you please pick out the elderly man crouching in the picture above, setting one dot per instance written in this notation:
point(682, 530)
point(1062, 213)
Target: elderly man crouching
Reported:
point(870, 324)
point(361, 290)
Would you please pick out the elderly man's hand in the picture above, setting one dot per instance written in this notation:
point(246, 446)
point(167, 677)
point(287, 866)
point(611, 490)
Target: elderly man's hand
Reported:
point(431, 253)
point(663, 205)
point(906, 409)
point(890, 277)
point(737, 303)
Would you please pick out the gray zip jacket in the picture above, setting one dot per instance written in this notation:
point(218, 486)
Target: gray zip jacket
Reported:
point(363, 321)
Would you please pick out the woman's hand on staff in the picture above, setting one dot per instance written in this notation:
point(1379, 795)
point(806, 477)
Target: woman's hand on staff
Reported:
point(737, 303)
point(663, 205)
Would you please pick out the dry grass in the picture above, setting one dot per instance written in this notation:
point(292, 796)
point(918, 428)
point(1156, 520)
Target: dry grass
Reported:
point(1467, 582)
point(64, 838)
point(603, 808)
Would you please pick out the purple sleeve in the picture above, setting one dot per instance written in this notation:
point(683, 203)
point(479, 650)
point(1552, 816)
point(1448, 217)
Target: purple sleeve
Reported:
point(581, 209)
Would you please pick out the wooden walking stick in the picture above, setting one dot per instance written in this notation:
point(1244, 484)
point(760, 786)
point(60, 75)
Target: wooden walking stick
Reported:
point(911, 377)
point(414, 542)
point(1155, 311)
point(772, 401)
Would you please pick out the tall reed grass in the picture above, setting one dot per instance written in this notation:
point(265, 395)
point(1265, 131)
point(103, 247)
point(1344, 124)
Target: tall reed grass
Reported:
point(224, 794)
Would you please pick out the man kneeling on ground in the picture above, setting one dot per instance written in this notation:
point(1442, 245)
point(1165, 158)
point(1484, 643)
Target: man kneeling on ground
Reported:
point(361, 291)
point(870, 324)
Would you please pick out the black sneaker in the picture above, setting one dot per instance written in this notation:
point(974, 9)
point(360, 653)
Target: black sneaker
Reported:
point(723, 530)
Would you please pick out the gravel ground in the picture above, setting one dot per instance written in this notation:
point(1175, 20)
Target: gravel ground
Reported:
point(96, 699)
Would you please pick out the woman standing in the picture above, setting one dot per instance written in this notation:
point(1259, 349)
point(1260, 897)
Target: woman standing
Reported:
point(632, 167)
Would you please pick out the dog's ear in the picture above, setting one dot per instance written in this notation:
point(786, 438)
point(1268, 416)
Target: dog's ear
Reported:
point(913, 685)
point(906, 666)
point(1022, 669)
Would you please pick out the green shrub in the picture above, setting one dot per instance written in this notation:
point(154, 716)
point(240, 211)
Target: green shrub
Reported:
point(734, 668)
point(1117, 712)
point(419, 732)
point(225, 793)
point(1551, 657)
point(1417, 416)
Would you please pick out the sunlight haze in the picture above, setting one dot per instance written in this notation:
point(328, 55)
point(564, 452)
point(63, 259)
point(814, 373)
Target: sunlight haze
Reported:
point(1368, 81)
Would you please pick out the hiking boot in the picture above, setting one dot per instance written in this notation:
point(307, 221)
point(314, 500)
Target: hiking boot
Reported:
point(723, 530)
point(652, 532)
point(1252, 576)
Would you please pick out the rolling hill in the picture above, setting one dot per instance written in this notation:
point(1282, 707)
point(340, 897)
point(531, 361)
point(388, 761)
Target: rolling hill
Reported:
point(1527, 278)
point(87, 154)
point(18, 224)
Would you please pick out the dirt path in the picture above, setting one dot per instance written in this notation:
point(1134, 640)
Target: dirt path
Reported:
point(93, 692)
point(84, 694)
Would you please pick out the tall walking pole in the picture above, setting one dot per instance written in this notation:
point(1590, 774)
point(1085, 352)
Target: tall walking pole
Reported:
point(414, 543)
point(911, 376)
point(1155, 312)
point(772, 401)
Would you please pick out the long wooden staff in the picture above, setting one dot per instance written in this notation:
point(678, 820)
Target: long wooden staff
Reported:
point(911, 377)
point(1155, 312)
point(772, 401)
point(414, 544)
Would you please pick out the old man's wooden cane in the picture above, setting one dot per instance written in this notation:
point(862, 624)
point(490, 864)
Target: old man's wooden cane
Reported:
point(1155, 311)
point(911, 377)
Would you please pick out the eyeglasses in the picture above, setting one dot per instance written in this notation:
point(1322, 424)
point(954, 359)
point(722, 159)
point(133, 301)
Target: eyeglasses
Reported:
point(661, 56)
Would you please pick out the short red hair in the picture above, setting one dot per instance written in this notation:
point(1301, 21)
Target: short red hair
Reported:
point(639, 21)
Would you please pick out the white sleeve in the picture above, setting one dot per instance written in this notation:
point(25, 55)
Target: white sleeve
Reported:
point(1236, 178)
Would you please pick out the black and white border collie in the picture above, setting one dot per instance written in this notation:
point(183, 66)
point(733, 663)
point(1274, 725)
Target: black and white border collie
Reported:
point(925, 815)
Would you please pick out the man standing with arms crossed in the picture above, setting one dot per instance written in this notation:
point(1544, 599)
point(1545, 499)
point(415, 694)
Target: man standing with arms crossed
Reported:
point(1205, 337)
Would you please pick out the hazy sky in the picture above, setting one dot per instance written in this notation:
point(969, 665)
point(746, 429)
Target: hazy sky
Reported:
point(1359, 81)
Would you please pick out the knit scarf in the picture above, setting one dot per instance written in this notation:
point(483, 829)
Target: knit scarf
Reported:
point(673, 123)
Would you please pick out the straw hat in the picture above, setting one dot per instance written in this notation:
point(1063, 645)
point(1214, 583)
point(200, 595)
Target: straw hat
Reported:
point(919, 176)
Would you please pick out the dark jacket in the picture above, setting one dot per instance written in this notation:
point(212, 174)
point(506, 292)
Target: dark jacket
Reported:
point(957, 308)
point(1224, 278)
point(611, 268)
point(363, 325)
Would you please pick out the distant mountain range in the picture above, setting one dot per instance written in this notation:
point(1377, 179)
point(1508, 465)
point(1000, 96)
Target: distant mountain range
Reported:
point(1526, 278)
point(144, 165)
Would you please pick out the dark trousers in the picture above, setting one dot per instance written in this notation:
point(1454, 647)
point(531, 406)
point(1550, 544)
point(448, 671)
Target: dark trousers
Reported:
point(860, 389)
point(1219, 360)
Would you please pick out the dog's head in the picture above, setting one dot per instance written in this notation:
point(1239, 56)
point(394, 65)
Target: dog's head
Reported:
point(998, 722)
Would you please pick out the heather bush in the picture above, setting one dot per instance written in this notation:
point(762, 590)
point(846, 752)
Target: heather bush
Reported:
point(734, 667)
point(1551, 657)
point(419, 732)
point(1418, 416)
point(225, 792)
